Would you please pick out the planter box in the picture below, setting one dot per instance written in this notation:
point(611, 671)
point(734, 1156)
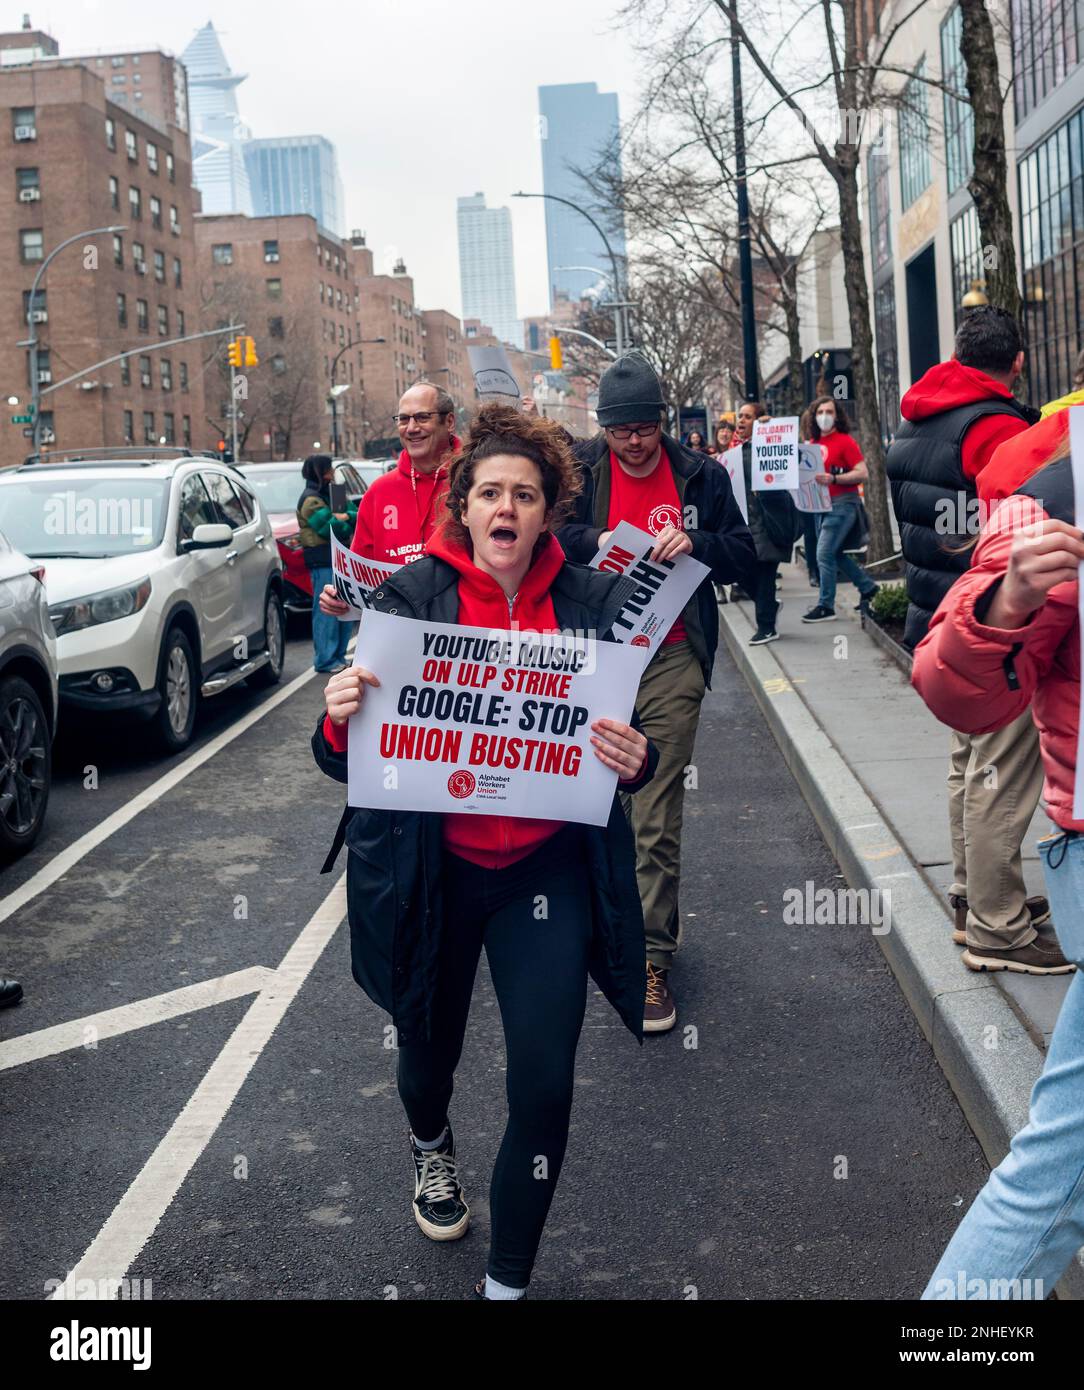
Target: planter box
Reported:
point(900, 655)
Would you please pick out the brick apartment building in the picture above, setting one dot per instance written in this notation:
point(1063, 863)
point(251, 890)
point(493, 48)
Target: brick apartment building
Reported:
point(72, 159)
point(388, 312)
point(296, 289)
point(445, 355)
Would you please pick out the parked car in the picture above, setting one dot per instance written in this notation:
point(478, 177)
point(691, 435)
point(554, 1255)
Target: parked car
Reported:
point(28, 700)
point(371, 469)
point(163, 581)
point(278, 486)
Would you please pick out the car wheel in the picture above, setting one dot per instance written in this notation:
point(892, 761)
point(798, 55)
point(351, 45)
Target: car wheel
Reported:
point(274, 626)
point(25, 765)
point(176, 716)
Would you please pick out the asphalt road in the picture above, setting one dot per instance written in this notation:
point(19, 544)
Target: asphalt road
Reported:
point(710, 1163)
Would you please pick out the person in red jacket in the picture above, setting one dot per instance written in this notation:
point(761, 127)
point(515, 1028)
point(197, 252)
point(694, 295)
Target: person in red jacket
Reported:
point(1008, 637)
point(402, 509)
point(549, 900)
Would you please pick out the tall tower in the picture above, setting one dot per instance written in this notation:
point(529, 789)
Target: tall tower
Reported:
point(487, 272)
point(218, 134)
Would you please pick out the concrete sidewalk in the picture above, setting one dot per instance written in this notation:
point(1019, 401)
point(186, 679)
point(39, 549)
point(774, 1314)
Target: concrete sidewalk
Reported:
point(871, 761)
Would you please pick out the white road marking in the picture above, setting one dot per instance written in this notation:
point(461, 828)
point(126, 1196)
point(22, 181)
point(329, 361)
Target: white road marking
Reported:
point(135, 1217)
point(59, 865)
point(47, 1042)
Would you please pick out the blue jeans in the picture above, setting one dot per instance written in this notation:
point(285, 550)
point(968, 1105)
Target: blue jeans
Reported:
point(1027, 1223)
point(330, 637)
point(835, 528)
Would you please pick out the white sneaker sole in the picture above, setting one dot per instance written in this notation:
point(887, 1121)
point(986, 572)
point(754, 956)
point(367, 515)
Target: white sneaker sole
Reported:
point(660, 1025)
point(455, 1232)
point(984, 963)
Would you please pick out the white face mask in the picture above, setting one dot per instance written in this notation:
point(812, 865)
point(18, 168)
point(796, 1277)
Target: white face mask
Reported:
point(825, 422)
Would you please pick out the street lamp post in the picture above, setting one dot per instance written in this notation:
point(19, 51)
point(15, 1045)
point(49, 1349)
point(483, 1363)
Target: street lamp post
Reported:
point(745, 255)
point(335, 392)
point(32, 342)
point(619, 306)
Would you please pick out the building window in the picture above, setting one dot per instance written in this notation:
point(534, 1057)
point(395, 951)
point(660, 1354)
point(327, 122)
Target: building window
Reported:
point(888, 373)
point(28, 181)
point(129, 428)
point(914, 137)
point(222, 253)
point(966, 257)
point(160, 267)
point(125, 371)
point(183, 378)
point(120, 79)
point(156, 213)
point(174, 221)
point(274, 289)
point(31, 244)
point(149, 436)
point(40, 303)
point(177, 272)
point(959, 117)
point(144, 370)
point(1048, 39)
point(180, 323)
point(186, 431)
point(165, 373)
point(163, 321)
point(141, 315)
point(114, 193)
point(122, 310)
point(170, 168)
point(167, 426)
point(135, 203)
point(118, 250)
point(880, 232)
point(130, 147)
point(117, 62)
point(321, 291)
point(139, 258)
point(270, 251)
point(278, 364)
point(274, 328)
point(110, 133)
point(44, 365)
point(1052, 226)
point(152, 155)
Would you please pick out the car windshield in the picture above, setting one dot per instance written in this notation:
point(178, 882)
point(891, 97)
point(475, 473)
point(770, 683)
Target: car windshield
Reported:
point(370, 472)
point(277, 488)
point(83, 516)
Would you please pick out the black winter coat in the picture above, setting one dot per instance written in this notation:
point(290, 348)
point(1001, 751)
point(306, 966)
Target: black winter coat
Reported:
point(393, 885)
point(721, 540)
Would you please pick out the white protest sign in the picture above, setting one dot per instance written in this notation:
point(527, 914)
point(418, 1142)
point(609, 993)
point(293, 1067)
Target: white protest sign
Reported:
point(732, 463)
point(811, 496)
point(663, 587)
point(355, 578)
point(493, 375)
point(775, 454)
point(1076, 444)
point(484, 721)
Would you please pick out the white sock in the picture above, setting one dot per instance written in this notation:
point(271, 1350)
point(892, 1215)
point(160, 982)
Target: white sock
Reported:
point(501, 1291)
point(430, 1144)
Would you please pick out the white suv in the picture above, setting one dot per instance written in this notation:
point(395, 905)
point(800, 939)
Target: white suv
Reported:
point(163, 579)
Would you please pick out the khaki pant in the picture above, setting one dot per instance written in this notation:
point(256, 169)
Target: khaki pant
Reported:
point(668, 703)
point(994, 784)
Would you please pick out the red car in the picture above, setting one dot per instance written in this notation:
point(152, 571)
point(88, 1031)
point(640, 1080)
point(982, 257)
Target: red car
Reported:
point(278, 486)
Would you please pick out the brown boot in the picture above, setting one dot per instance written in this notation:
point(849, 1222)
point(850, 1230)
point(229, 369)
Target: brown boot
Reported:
point(660, 1010)
point(1038, 910)
point(1039, 957)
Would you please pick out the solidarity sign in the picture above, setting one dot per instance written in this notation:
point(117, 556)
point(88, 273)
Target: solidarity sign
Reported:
point(775, 454)
point(663, 588)
point(486, 721)
point(355, 579)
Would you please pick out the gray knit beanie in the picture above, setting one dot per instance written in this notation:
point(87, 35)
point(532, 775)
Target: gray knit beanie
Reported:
point(629, 393)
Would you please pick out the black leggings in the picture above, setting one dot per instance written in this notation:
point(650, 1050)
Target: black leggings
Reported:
point(765, 604)
point(534, 919)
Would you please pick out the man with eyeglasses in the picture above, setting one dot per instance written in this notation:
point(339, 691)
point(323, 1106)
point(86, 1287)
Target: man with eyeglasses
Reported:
point(635, 472)
point(399, 512)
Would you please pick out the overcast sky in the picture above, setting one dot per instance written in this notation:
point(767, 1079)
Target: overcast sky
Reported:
point(425, 100)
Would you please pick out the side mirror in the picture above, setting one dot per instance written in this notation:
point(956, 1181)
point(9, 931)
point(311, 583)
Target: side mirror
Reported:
point(209, 536)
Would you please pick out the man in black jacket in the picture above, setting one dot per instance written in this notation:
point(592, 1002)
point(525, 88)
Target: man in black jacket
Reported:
point(634, 472)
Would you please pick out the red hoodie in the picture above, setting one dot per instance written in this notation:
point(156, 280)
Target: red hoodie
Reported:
point(951, 384)
point(400, 511)
point(1018, 459)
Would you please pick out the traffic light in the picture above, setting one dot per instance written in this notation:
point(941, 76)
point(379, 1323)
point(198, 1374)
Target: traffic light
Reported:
point(235, 352)
point(556, 360)
point(225, 454)
point(251, 360)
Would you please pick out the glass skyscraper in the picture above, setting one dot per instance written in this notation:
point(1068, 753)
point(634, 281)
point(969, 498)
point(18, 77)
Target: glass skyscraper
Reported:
point(579, 127)
point(218, 165)
point(487, 273)
point(297, 173)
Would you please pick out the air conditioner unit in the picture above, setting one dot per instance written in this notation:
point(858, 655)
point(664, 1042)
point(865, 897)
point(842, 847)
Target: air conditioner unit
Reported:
point(144, 378)
point(47, 437)
point(140, 267)
point(271, 257)
point(45, 376)
point(26, 132)
point(29, 195)
point(39, 316)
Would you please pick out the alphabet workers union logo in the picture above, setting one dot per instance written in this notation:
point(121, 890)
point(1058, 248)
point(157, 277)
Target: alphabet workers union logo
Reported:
point(767, 478)
point(640, 641)
point(461, 784)
point(665, 514)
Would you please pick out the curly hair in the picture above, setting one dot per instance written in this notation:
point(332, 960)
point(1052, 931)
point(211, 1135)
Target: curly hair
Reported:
point(502, 429)
point(843, 425)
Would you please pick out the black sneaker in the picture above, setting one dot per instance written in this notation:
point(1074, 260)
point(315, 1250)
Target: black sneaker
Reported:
point(763, 635)
point(820, 614)
point(440, 1206)
point(479, 1293)
point(864, 600)
point(738, 594)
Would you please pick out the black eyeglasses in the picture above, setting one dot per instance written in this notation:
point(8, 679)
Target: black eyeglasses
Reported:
point(420, 417)
point(624, 432)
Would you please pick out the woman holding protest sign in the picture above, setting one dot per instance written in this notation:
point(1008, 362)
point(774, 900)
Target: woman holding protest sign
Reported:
point(551, 901)
point(844, 470)
point(317, 520)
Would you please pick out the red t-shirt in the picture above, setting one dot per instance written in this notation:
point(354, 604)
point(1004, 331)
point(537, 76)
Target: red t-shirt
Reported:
point(840, 451)
point(652, 504)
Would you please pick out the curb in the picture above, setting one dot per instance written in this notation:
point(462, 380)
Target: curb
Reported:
point(990, 1072)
